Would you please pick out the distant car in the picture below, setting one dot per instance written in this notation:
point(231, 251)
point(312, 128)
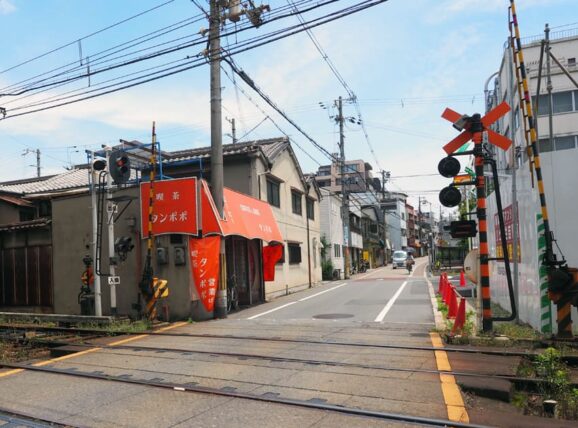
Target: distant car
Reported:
point(398, 259)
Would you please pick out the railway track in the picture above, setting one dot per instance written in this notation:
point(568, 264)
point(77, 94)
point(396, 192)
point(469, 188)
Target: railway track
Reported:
point(422, 421)
point(81, 331)
point(80, 338)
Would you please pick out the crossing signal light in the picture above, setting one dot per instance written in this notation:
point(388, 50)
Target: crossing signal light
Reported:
point(463, 229)
point(450, 196)
point(449, 167)
point(119, 167)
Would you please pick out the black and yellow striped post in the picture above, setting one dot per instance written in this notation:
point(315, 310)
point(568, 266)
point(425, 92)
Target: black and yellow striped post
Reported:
point(147, 281)
point(160, 291)
point(563, 304)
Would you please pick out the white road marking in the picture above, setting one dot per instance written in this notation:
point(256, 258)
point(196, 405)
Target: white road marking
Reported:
point(296, 301)
point(387, 307)
point(271, 310)
point(322, 292)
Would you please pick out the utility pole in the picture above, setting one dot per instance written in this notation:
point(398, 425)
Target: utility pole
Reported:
point(217, 145)
point(111, 209)
point(37, 152)
point(419, 221)
point(94, 213)
point(233, 129)
point(344, 196)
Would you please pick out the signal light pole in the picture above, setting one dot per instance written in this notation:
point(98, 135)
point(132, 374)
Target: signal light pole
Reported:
point(474, 127)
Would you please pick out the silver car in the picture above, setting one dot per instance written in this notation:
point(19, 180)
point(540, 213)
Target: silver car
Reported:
point(399, 258)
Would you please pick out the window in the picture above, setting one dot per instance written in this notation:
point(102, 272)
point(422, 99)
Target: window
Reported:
point(562, 102)
point(310, 207)
point(44, 209)
point(273, 193)
point(351, 167)
point(337, 250)
point(324, 170)
point(564, 143)
point(517, 118)
point(294, 253)
point(560, 143)
point(26, 214)
point(545, 145)
point(571, 62)
point(296, 198)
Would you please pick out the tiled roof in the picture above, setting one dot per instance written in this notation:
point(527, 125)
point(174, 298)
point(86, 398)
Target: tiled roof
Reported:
point(270, 147)
point(72, 179)
point(30, 224)
point(78, 178)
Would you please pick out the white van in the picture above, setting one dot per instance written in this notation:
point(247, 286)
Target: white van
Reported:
point(398, 259)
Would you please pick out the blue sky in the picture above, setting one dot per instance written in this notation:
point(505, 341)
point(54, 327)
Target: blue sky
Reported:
point(405, 60)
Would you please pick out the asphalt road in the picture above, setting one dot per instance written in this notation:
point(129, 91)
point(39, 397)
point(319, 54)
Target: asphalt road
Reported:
point(382, 295)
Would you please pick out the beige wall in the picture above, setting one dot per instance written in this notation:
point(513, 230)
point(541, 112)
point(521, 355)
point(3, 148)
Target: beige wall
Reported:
point(293, 227)
point(71, 234)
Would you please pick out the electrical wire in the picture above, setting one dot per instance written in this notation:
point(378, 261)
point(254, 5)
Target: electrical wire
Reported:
point(87, 36)
point(259, 41)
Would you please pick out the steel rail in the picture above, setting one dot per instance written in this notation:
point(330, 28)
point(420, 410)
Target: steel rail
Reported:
point(34, 420)
point(278, 339)
point(54, 344)
point(242, 395)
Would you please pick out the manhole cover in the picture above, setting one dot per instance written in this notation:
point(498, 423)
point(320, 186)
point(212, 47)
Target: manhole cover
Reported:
point(332, 316)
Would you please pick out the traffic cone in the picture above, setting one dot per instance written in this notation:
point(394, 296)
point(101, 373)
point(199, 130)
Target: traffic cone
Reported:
point(460, 317)
point(441, 285)
point(462, 279)
point(453, 305)
point(447, 292)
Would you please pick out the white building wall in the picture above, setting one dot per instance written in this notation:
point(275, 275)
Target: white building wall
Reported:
point(332, 227)
point(560, 177)
point(293, 277)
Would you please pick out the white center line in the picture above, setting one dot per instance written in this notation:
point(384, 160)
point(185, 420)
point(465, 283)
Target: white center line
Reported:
point(387, 307)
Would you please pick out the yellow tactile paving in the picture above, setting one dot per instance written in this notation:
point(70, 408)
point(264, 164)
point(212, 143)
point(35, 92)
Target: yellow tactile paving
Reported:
point(450, 390)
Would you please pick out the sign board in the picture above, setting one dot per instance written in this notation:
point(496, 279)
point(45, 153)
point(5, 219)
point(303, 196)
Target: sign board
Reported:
point(508, 213)
point(463, 229)
point(471, 263)
point(462, 178)
point(174, 207)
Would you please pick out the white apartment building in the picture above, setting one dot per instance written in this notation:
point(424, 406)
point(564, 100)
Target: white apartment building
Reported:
point(559, 158)
point(331, 225)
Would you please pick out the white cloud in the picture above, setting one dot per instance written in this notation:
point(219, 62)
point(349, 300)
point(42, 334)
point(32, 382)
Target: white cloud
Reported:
point(6, 7)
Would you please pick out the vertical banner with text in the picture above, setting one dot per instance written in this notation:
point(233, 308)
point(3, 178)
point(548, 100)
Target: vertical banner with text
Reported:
point(204, 254)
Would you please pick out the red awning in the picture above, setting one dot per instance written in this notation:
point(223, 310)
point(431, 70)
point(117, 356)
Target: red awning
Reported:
point(244, 215)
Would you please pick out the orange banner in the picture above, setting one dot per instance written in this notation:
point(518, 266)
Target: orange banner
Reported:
point(244, 215)
point(174, 207)
point(204, 255)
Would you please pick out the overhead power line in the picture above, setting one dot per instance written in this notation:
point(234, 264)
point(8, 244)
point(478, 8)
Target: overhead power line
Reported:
point(87, 36)
point(197, 61)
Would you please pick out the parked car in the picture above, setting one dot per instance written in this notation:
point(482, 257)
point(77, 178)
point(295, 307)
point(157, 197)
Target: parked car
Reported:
point(398, 259)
